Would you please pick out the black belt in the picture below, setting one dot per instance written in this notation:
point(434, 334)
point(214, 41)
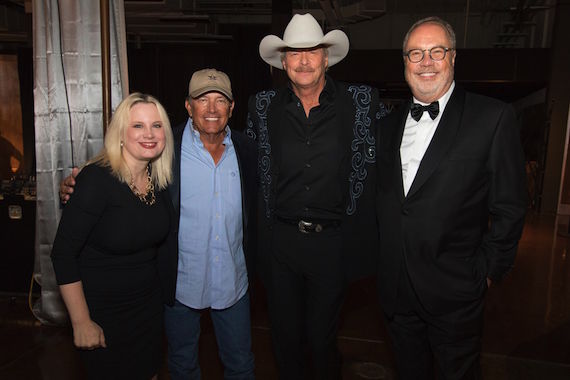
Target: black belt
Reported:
point(306, 226)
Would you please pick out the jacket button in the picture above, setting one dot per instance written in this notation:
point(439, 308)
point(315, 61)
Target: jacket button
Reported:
point(405, 211)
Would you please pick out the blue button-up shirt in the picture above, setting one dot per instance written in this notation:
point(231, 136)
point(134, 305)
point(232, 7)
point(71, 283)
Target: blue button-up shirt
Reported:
point(211, 263)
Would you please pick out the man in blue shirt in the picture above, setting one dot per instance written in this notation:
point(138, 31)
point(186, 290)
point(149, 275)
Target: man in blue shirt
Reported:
point(214, 180)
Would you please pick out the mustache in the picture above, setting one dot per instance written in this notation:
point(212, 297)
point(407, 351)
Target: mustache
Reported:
point(304, 69)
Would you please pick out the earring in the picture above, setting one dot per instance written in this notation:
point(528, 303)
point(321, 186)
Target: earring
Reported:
point(122, 144)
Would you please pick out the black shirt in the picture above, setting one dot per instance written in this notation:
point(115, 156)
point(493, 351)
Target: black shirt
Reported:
point(310, 182)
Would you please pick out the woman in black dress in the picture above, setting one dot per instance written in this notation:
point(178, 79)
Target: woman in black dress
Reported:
point(105, 250)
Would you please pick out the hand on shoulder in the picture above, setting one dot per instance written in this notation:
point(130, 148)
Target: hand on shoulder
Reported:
point(66, 186)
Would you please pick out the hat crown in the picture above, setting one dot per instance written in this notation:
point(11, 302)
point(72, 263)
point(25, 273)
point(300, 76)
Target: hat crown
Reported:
point(303, 31)
point(207, 80)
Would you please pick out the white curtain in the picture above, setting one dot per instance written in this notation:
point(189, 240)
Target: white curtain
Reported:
point(68, 114)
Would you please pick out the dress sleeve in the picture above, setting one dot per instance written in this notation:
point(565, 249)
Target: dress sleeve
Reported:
point(78, 219)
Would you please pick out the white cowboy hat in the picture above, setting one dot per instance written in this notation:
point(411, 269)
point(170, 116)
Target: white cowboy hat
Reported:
point(303, 31)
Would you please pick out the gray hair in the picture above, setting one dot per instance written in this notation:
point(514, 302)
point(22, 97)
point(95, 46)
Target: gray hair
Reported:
point(325, 51)
point(432, 20)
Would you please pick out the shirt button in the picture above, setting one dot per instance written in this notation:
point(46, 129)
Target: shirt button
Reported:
point(307, 165)
point(307, 188)
point(218, 215)
point(217, 237)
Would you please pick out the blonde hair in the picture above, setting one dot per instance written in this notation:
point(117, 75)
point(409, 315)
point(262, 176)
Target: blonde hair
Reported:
point(111, 155)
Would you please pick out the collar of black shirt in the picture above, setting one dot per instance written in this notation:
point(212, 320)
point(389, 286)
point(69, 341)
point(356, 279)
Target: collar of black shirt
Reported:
point(328, 92)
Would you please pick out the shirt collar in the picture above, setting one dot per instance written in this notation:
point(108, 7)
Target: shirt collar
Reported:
point(329, 90)
point(195, 135)
point(327, 93)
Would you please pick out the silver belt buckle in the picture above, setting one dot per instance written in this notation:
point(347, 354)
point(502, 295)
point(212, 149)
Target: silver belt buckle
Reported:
point(304, 225)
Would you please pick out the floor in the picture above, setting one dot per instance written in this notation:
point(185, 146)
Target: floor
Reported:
point(527, 325)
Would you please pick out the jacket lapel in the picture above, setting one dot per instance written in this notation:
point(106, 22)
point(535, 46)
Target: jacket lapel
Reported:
point(275, 118)
point(442, 139)
point(174, 187)
point(243, 173)
point(399, 132)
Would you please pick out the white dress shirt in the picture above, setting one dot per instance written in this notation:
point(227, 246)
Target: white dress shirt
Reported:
point(416, 139)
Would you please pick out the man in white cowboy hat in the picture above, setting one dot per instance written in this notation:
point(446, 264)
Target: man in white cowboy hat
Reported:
point(316, 166)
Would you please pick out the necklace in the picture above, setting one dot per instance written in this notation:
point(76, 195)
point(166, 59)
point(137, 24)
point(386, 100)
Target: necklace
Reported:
point(148, 196)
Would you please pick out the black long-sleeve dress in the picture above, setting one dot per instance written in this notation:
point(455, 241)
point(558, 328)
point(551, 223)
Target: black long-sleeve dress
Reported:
point(107, 239)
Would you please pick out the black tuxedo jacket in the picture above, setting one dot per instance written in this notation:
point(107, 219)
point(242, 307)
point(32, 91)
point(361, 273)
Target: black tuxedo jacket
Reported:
point(246, 153)
point(463, 215)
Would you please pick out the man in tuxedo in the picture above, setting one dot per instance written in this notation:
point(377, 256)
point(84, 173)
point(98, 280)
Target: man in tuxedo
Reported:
point(450, 205)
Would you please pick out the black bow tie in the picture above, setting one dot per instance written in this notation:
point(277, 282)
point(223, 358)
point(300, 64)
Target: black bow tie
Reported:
point(417, 110)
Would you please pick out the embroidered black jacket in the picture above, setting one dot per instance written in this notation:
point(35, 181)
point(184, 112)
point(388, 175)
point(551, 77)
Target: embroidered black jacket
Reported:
point(358, 107)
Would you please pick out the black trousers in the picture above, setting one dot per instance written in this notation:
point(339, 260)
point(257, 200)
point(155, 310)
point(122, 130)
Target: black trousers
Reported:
point(306, 287)
point(448, 345)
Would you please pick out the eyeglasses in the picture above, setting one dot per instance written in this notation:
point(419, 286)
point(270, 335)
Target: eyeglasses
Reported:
point(436, 53)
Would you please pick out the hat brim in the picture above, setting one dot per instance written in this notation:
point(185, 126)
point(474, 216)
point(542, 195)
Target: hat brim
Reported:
point(336, 41)
point(201, 91)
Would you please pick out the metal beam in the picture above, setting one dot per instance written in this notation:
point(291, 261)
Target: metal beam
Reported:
point(105, 62)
